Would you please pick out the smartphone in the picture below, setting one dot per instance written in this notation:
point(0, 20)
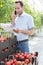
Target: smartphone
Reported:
point(15, 12)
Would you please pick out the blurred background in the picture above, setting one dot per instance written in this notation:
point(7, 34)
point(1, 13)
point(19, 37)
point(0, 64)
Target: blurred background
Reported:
point(33, 7)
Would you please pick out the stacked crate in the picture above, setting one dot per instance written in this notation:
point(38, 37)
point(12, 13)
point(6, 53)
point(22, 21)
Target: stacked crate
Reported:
point(7, 45)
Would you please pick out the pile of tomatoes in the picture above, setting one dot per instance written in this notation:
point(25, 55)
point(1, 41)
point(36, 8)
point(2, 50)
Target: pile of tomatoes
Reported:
point(2, 39)
point(20, 58)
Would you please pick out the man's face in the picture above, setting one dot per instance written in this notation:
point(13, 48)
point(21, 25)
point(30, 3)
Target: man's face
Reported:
point(18, 8)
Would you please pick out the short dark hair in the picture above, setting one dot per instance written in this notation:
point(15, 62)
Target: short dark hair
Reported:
point(21, 3)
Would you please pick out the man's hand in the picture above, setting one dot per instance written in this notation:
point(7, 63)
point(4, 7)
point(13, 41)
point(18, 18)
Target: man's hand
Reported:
point(17, 30)
point(13, 16)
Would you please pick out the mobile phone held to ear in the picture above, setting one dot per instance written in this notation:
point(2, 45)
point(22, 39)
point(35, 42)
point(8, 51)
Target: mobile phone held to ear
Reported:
point(15, 12)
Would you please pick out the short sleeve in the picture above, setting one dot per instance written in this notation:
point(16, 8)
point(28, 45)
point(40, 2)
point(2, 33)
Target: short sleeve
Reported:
point(30, 22)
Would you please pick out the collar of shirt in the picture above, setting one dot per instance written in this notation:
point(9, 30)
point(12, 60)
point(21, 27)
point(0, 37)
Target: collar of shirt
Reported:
point(22, 14)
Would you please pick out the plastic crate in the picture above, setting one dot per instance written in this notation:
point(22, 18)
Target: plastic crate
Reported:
point(8, 44)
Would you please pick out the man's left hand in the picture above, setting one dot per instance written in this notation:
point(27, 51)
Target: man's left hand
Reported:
point(17, 30)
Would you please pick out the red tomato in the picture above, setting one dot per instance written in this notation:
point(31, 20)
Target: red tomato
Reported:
point(6, 50)
point(16, 56)
point(20, 56)
point(15, 61)
point(5, 59)
point(22, 53)
point(8, 63)
point(3, 39)
point(19, 63)
point(11, 61)
point(13, 64)
point(25, 54)
point(13, 46)
point(27, 61)
point(23, 62)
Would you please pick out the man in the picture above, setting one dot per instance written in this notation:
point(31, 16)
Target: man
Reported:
point(23, 26)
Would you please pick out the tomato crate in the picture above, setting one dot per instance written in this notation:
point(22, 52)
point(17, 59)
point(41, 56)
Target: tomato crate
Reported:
point(21, 59)
point(7, 44)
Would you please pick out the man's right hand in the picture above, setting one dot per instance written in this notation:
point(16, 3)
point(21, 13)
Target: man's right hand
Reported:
point(13, 16)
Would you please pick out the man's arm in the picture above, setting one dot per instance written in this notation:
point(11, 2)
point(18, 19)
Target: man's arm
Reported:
point(29, 32)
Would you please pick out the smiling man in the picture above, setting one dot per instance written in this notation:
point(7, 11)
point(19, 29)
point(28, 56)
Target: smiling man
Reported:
point(23, 26)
